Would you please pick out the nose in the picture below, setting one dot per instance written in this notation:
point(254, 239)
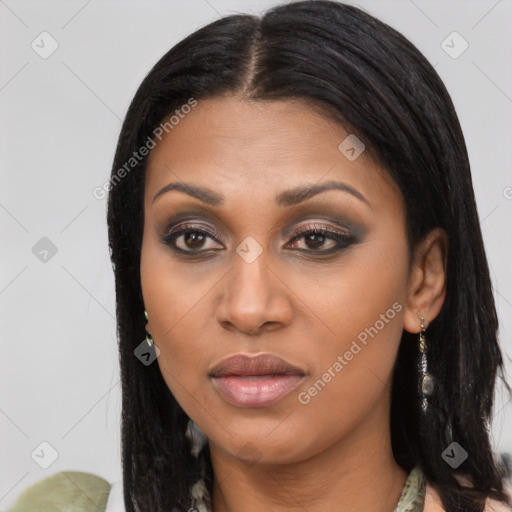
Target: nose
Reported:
point(255, 298)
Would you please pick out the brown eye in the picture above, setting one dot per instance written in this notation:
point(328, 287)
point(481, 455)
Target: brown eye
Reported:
point(316, 238)
point(189, 239)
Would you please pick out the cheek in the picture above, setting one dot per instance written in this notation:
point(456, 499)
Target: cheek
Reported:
point(172, 291)
point(363, 293)
point(176, 299)
point(362, 306)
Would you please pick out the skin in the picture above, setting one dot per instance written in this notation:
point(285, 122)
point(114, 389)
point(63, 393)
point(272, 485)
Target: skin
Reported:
point(333, 453)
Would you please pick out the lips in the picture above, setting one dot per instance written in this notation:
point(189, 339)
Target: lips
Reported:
point(263, 364)
point(254, 381)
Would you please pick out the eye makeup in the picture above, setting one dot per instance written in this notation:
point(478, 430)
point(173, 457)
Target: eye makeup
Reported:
point(189, 234)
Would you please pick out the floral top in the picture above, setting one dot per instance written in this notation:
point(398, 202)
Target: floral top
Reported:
point(76, 491)
point(412, 498)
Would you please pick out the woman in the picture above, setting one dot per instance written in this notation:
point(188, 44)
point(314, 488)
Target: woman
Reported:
point(293, 228)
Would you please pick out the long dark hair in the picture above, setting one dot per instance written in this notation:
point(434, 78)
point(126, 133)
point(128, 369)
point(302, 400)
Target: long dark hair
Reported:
point(376, 83)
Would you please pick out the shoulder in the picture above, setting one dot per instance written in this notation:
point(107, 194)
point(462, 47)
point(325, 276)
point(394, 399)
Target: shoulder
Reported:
point(499, 506)
point(84, 491)
point(433, 502)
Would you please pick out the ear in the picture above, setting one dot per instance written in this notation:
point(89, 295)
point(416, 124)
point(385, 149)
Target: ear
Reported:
point(427, 280)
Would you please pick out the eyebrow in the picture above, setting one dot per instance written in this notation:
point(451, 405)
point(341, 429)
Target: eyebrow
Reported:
point(289, 197)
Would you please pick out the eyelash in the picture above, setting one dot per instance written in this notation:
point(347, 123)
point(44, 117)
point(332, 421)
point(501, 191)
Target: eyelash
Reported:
point(343, 239)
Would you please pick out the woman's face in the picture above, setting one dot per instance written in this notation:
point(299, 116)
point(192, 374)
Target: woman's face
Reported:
point(230, 269)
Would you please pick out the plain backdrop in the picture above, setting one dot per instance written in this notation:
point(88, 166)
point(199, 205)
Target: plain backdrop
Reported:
point(60, 117)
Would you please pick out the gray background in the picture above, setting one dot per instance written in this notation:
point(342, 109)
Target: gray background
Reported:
point(61, 116)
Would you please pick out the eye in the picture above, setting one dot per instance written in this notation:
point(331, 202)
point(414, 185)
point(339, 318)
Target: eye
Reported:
point(316, 238)
point(189, 238)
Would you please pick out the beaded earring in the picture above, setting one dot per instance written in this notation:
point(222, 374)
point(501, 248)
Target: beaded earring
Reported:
point(426, 382)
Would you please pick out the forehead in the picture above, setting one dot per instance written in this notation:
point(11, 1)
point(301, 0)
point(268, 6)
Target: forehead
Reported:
point(260, 148)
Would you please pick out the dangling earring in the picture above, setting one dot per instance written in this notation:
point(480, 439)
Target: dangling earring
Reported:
point(149, 339)
point(426, 381)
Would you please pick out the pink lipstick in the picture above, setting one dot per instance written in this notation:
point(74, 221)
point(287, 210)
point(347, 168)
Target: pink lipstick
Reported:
point(254, 381)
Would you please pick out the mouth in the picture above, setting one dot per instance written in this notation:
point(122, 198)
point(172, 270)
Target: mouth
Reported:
point(254, 381)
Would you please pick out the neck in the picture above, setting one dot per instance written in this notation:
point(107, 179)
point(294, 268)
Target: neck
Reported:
point(354, 474)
